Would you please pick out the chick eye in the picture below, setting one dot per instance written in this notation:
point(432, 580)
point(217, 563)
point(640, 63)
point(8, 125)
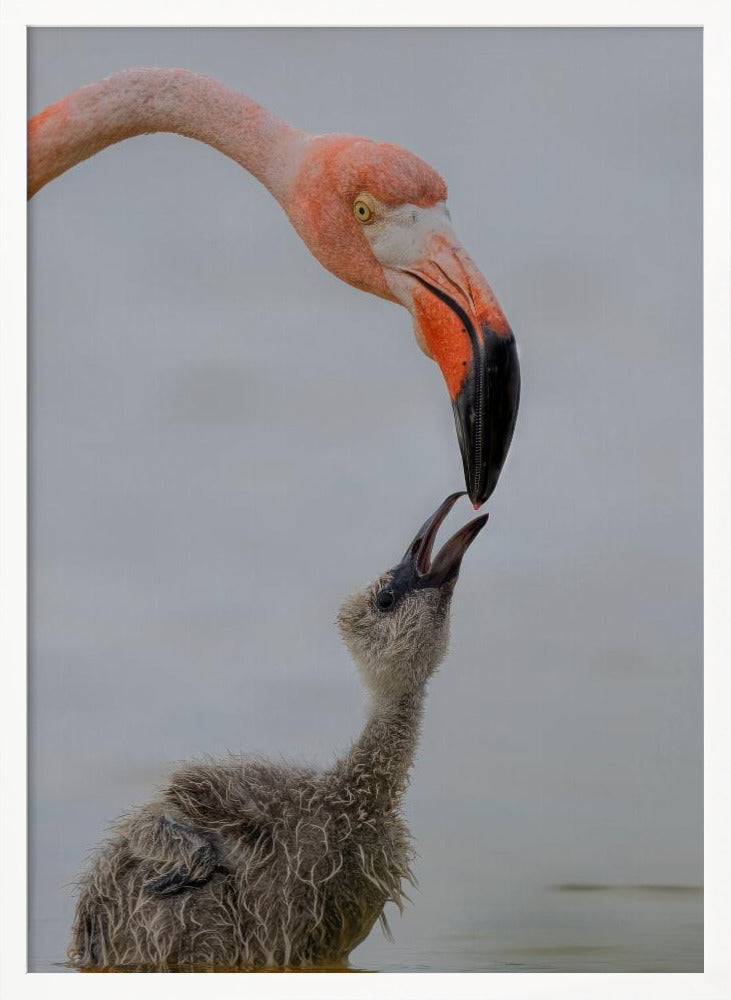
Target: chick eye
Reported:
point(362, 210)
point(384, 599)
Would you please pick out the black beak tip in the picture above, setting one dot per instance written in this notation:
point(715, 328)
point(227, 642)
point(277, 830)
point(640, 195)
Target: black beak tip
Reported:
point(480, 522)
point(446, 566)
point(480, 494)
point(485, 412)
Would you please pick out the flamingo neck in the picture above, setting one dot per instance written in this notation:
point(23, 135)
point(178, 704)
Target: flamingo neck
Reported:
point(142, 101)
point(378, 765)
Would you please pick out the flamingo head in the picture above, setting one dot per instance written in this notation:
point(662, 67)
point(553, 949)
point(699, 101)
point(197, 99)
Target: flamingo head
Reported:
point(375, 215)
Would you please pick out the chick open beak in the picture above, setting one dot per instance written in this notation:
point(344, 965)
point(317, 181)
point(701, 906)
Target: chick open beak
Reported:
point(418, 570)
point(460, 325)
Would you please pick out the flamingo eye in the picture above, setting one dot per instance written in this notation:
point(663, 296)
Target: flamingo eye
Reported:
point(362, 210)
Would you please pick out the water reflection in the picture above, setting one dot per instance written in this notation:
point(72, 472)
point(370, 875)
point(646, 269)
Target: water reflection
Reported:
point(597, 887)
point(568, 927)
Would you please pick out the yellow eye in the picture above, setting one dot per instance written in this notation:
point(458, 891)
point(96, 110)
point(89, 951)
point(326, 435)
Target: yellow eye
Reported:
point(362, 210)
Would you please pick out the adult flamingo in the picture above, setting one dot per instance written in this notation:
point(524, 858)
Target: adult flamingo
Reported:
point(372, 213)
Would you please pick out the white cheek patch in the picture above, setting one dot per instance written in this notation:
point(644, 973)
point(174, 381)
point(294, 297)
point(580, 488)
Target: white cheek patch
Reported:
point(399, 237)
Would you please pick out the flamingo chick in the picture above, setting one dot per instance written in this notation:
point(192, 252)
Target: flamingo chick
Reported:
point(372, 213)
point(243, 862)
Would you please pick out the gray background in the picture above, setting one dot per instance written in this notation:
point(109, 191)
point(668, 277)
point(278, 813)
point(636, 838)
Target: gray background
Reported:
point(225, 440)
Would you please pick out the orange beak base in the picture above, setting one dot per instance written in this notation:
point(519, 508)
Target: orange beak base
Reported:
point(461, 326)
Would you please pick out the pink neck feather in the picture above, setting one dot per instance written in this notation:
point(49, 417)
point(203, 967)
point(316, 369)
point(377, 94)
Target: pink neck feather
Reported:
point(141, 101)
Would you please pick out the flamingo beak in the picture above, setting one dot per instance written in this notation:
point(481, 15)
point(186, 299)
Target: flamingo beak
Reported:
point(460, 325)
point(418, 569)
